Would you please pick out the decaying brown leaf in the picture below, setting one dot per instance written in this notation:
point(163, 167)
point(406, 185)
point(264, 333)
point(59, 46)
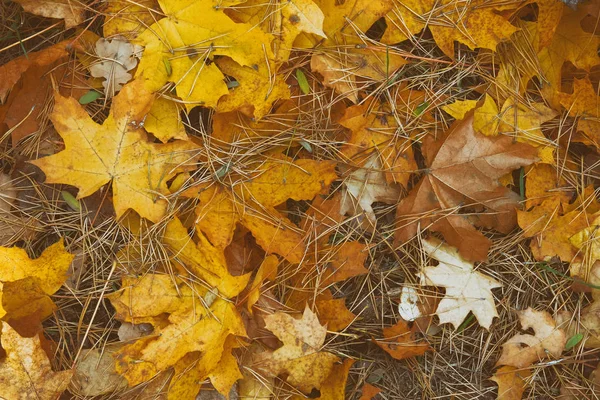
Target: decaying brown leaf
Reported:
point(464, 172)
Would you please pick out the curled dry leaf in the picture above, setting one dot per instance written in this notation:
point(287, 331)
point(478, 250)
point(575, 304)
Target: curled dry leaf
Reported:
point(521, 351)
point(26, 372)
point(466, 290)
point(400, 343)
point(300, 357)
point(464, 172)
point(116, 56)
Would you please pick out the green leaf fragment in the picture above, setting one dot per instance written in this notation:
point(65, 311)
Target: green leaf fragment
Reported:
point(71, 201)
point(302, 81)
point(89, 97)
point(573, 341)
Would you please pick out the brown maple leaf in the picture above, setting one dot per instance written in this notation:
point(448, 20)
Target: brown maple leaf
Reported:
point(463, 175)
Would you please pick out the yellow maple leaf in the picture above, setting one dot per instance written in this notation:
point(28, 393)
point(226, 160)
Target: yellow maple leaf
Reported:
point(192, 326)
point(203, 260)
point(300, 357)
point(569, 43)
point(256, 91)
point(117, 151)
point(286, 19)
point(585, 104)
point(26, 284)
point(521, 120)
point(26, 372)
point(128, 19)
point(180, 48)
point(511, 382)
point(164, 120)
point(252, 203)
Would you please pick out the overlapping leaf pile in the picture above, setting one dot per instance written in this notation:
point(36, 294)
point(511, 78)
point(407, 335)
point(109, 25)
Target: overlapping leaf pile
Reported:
point(248, 189)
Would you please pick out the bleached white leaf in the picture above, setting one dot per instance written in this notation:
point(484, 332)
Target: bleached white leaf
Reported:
point(466, 290)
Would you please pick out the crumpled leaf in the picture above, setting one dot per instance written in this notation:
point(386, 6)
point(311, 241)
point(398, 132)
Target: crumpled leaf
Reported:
point(300, 357)
point(464, 172)
point(466, 290)
point(26, 372)
point(511, 382)
point(72, 12)
point(400, 343)
point(139, 170)
point(116, 56)
point(522, 350)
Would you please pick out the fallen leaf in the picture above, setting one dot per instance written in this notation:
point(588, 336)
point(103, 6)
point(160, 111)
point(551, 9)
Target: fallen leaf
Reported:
point(369, 391)
point(266, 272)
point(203, 260)
point(139, 170)
point(464, 171)
point(29, 79)
point(192, 329)
point(522, 350)
point(399, 341)
point(365, 186)
point(284, 19)
point(180, 48)
point(300, 357)
point(115, 57)
point(128, 19)
point(346, 260)
point(511, 382)
point(252, 203)
point(28, 283)
point(164, 121)
point(334, 387)
point(569, 43)
point(466, 290)
point(26, 372)
point(95, 373)
point(72, 12)
point(584, 103)
point(255, 93)
point(334, 313)
point(552, 223)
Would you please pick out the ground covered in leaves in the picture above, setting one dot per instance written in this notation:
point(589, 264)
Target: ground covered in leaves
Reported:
point(288, 199)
